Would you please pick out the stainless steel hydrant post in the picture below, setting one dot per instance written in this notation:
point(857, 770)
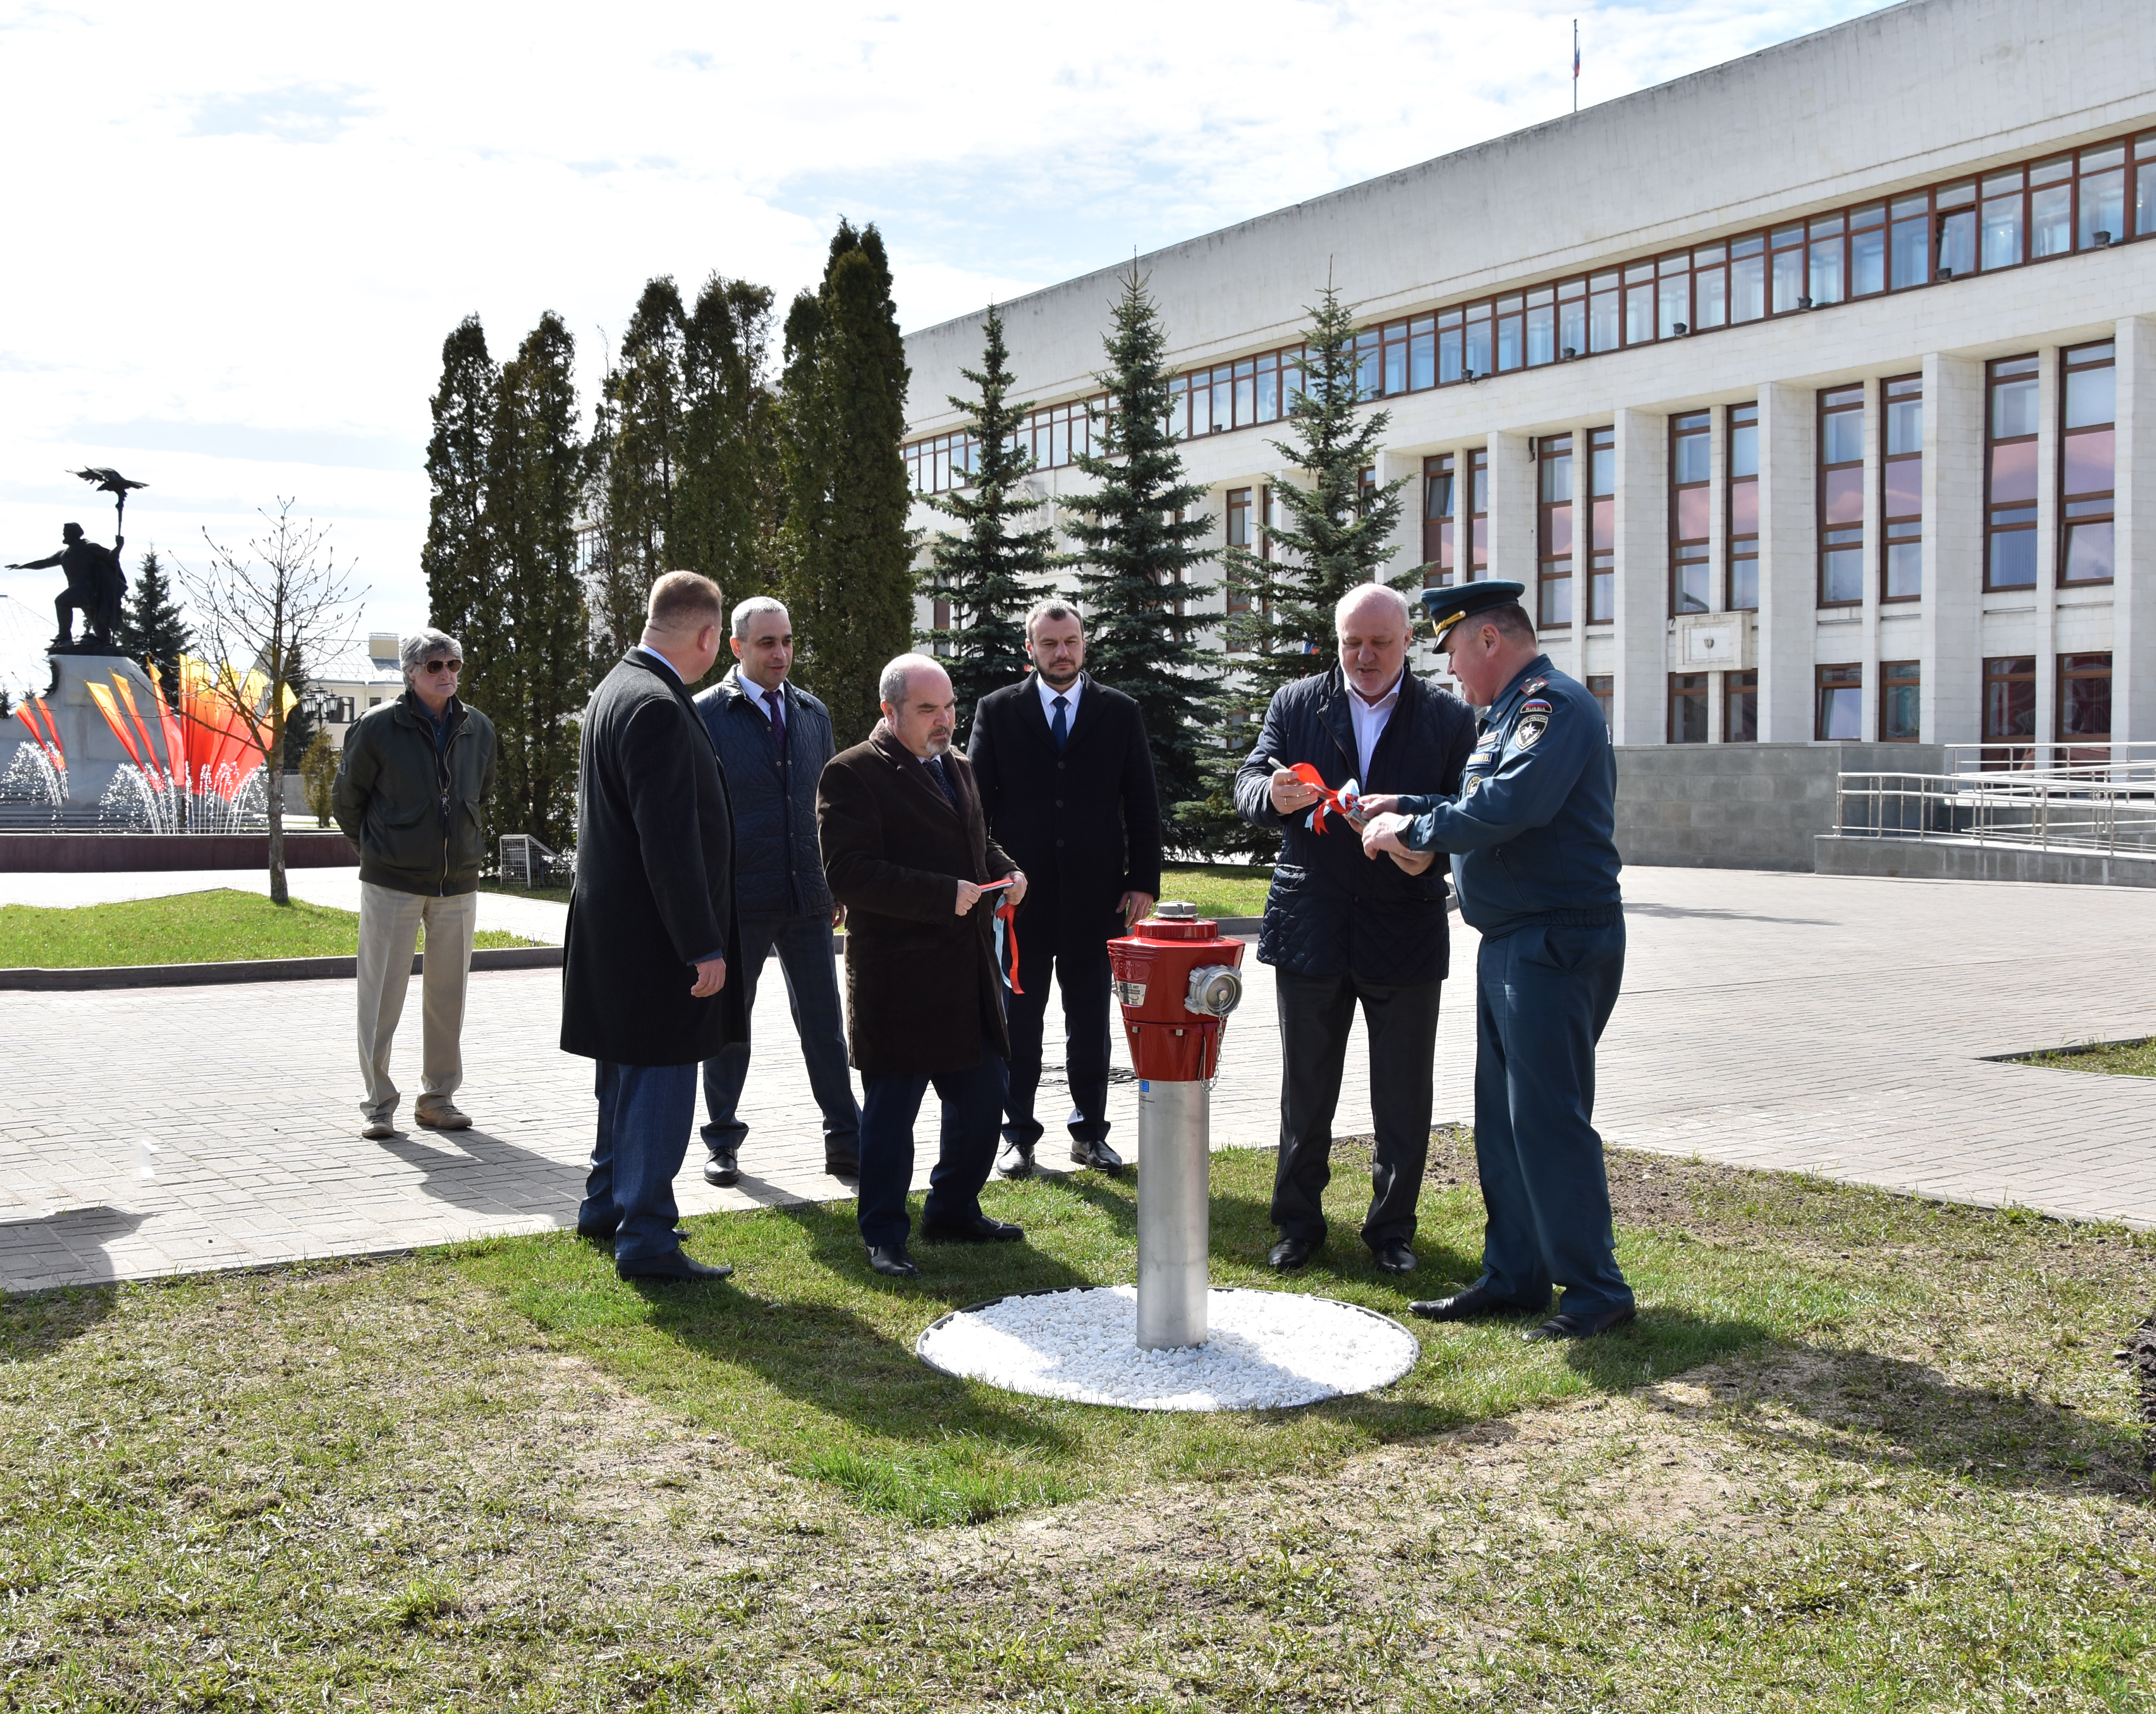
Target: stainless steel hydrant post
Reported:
point(1174, 1213)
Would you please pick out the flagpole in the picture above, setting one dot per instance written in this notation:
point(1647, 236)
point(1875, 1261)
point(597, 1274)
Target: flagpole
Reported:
point(1575, 65)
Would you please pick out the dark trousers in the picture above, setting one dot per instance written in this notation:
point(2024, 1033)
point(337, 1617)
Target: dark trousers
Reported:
point(803, 946)
point(1081, 961)
point(1315, 1013)
point(1543, 995)
point(973, 1102)
point(645, 1112)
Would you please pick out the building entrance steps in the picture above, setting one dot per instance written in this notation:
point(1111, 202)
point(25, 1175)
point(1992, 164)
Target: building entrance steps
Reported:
point(1840, 1025)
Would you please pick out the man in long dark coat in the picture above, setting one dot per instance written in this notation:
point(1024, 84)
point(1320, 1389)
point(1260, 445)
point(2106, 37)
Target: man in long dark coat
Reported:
point(652, 928)
point(906, 850)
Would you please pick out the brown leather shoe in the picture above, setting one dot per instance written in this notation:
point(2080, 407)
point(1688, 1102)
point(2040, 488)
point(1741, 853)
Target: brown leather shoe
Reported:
point(444, 1117)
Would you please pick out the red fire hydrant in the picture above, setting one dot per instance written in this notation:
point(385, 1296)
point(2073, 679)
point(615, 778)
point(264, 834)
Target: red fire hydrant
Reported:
point(1177, 980)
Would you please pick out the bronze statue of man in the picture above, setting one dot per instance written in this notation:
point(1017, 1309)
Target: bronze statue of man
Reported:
point(95, 584)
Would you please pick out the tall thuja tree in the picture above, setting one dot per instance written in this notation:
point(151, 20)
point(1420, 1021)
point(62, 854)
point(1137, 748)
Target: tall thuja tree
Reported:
point(988, 570)
point(721, 524)
point(152, 630)
point(534, 480)
point(845, 548)
point(642, 459)
point(1338, 533)
point(458, 557)
point(1135, 552)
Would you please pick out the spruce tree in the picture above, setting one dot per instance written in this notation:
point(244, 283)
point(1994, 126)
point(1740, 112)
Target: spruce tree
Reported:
point(151, 630)
point(458, 557)
point(1338, 533)
point(1135, 551)
point(527, 644)
point(987, 572)
point(844, 549)
point(300, 726)
point(722, 525)
point(643, 460)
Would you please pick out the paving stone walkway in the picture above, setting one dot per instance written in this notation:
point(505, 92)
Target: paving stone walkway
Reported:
point(1841, 1025)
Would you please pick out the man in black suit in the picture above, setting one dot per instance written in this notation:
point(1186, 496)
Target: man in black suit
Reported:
point(1342, 931)
point(1066, 781)
point(652, 930)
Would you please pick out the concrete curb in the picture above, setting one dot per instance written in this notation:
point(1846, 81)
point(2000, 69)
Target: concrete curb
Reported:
point(114, 976)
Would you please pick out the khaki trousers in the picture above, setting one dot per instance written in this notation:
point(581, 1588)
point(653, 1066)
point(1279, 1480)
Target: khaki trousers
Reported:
point(388, 932)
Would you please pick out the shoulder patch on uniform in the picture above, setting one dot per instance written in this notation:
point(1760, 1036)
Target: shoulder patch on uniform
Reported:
point(1529, 731)
point(1535, 705)
point(1533, 686)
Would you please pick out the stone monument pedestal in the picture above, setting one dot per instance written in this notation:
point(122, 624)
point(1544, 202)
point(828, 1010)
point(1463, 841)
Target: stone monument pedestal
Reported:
point(94, 753)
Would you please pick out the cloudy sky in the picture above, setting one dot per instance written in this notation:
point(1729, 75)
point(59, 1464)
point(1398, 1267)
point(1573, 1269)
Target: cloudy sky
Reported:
point(238, 233)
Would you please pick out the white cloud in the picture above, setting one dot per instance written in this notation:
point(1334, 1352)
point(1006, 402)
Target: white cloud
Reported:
point(241, 231)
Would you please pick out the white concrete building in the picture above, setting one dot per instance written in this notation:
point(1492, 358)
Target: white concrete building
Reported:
point(1813, 397)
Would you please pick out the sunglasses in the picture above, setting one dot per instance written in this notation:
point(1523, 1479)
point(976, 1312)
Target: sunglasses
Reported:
point(442, 666)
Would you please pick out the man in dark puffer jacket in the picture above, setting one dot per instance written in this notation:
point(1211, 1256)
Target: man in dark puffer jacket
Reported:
point(773, 739)
point(1341, 929)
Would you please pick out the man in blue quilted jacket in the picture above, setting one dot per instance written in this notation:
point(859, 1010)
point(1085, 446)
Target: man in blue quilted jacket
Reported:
point(773, 739)
point(1343, 929)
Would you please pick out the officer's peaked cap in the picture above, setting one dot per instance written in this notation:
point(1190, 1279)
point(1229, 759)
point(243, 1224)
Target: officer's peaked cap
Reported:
point(1448, 607)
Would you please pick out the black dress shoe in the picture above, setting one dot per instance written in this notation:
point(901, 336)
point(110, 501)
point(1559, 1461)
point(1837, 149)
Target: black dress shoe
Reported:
point(1292, 1253)
point(595, 1234)
point(723, 1169)
point(1574, 1324)
point(1095, 1153)
point(843, 1165)
point(892, 1258)
point(1396, 1257)
point(1476, 1301)
point(1015, 1161)
point(980, 1229)
point(675, 1264)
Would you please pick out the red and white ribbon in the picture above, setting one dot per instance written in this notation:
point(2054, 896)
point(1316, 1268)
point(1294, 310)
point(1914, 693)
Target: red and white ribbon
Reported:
point(1346, 803)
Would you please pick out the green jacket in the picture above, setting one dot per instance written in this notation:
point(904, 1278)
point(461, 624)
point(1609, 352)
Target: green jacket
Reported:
point(414, 813)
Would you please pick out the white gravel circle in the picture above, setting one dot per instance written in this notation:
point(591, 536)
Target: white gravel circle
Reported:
point(1266, 1350)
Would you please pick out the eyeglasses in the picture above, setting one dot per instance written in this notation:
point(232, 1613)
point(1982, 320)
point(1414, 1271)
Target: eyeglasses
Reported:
point(442, 666)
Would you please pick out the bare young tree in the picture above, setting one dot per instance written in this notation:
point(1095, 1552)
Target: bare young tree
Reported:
point(286, 601)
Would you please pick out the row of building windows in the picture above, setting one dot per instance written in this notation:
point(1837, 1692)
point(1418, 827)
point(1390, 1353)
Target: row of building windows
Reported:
point(2082, 200)
point(2009, 701)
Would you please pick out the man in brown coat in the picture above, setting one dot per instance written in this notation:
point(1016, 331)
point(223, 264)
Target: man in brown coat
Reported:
point(906, 851)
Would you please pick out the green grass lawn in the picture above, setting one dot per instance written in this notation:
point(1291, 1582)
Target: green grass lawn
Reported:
point(2128, 1059)
point(1859, 1452)
point(184, 928)
point(1218, 889)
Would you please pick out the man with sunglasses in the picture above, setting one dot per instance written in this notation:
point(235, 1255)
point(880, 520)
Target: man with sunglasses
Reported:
point(409, 792)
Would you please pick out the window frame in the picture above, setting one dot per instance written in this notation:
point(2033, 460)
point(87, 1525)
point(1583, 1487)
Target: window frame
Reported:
point(2000, 373)
point(2071, 671)
point(1688, 551)
point(1899, 529)
point(1686, 690)
point(1733, 543)
point(1601, 527)
point(1825, 687)
point(1440, 530)
point(2091, 506)
point(1842, 541)
point(1900, 675)
point(1740, 689)
point(1554, 571)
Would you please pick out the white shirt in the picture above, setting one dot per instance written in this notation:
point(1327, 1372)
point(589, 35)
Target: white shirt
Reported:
point(1370, 718)
point(663, 661)
point(1048, 694)
point(756, 694)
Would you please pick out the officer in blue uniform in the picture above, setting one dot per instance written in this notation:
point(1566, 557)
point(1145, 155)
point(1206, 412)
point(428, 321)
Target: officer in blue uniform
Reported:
point(1534, 858)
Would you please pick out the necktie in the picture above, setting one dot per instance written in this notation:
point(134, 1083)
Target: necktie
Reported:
point(942, 779)
point(1061, 729)
point(777, 704)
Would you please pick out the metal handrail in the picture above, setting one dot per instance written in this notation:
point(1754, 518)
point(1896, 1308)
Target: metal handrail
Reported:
point(2030, 811)
point(2127, 760)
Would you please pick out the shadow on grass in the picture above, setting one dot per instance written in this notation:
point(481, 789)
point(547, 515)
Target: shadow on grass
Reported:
point(1858, 1408)
point(37, 1324)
